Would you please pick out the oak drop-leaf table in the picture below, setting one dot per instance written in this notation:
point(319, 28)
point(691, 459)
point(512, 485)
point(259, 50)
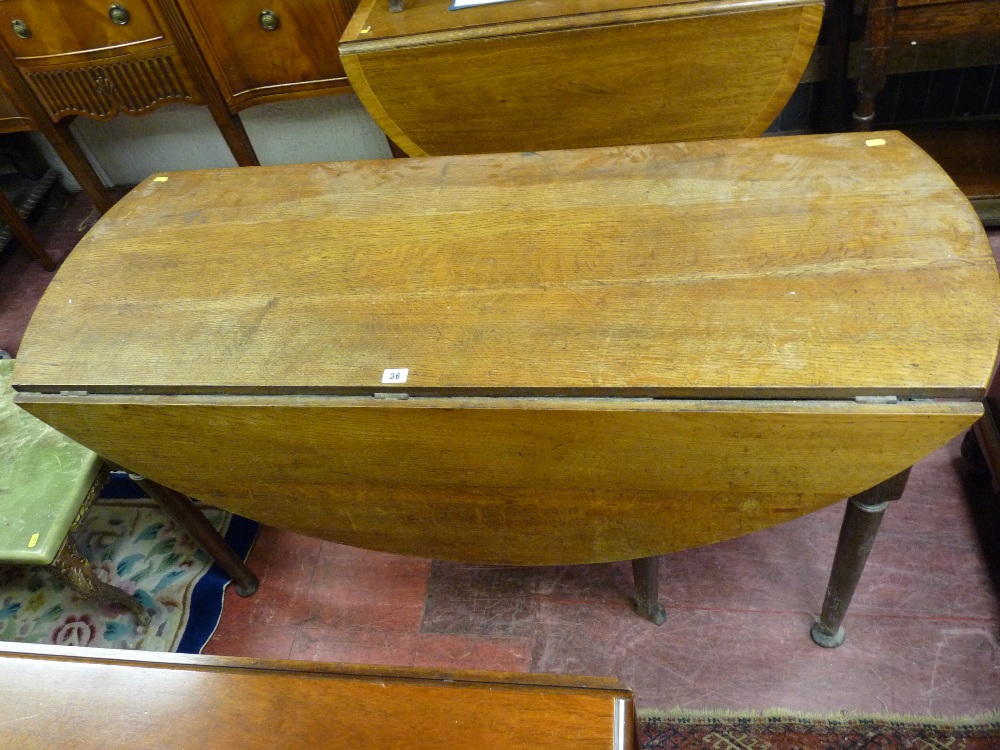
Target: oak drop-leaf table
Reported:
point(532, 358)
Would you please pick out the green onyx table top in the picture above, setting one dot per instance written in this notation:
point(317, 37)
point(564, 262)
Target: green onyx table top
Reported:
point(44, 479)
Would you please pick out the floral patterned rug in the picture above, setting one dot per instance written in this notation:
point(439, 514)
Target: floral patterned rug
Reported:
point(135, 547)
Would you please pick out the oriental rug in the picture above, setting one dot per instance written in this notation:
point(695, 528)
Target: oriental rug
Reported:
point(133, 546)
point(778, 730)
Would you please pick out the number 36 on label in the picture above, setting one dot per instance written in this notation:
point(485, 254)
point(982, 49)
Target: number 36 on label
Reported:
point(395, 376)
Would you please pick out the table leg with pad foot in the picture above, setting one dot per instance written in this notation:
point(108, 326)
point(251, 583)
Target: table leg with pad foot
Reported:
point(857, 535)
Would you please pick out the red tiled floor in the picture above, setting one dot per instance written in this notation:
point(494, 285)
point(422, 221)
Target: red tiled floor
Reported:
point(351, 646)
point(472, 652)
point(922, 635)
point(22, 281)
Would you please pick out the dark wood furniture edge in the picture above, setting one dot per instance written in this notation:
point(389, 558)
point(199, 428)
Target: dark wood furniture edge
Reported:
point(696, 8)
point(986, 430)
point(207, 662)
point(288, 91)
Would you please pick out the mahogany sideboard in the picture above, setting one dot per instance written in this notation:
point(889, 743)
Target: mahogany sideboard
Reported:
point(535, 358)
point(109, 699)
point(98, 59)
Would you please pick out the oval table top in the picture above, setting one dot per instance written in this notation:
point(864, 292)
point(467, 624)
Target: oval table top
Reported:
point(798, 267)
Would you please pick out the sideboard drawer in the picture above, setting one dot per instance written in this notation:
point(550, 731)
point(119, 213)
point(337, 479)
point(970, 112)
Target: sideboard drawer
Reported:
point(42, 32)
point(265, 49)
point(130, 84)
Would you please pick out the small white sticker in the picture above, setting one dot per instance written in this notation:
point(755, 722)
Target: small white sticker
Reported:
point(395, 376)
point(160, 179)
point(875, 142)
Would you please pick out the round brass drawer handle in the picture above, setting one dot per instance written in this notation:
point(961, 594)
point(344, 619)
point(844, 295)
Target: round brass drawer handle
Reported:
point(268, 20)
point(119, 14)
point(21, 29)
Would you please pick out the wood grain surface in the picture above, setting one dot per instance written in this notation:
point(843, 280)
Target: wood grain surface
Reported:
point(507, 480)
point(814, 267)
point(225, 333)
point(530, 76)
point(298, 58)
point(950, 19)
point(167, 701)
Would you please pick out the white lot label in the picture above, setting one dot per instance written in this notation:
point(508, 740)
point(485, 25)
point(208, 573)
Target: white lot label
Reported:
point(395, 376)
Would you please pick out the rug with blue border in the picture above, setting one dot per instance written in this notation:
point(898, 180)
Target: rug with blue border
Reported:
point(134, 546)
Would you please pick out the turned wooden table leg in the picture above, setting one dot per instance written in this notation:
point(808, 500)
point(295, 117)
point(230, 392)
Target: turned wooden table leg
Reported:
point(645, 571)
point(73, 568)
point(182, 509)
point(874, 66)
point(857, 535)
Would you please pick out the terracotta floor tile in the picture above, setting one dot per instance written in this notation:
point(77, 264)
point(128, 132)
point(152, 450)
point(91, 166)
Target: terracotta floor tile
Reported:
point(479, 600)
point(339, 557)
point(284, 562)
point(468, 652)
point(353, 588)
point(263, 641)
point(708, 659)
point(22, 280)
point(349, 645)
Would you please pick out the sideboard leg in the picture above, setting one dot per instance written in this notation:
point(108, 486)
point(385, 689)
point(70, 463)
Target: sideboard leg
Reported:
point(183, 510)
point(857, 535)
point(645, 571)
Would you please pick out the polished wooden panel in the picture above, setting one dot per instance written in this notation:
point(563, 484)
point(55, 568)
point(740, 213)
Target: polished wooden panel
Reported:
point(61, 29)
point(535, 77)
point(926, 22)
point(506, 480)
point(104, 699)
point(813, 267)
point(133, 84)
point(253, 65)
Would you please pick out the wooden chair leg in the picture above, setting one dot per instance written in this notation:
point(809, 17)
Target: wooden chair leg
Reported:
point(857, 535)
point(881, 16)
point(181, 508)
point(645, 571)
point(21, 230)
point(73, 568)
